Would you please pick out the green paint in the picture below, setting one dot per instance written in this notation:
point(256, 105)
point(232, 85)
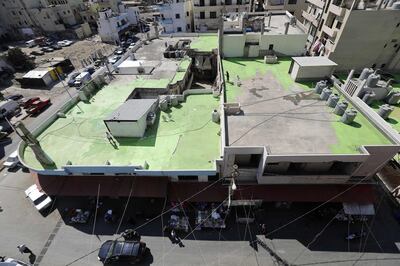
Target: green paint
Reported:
point(205, 42)
point(183, 67)
point(349, 137)
point(184, 138)
point(247, 68)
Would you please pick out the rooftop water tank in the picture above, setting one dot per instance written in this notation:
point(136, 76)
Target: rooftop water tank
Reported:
point(326, 92)
point(385, 110)
point(393, 98)
point(365, 73)
point(333, 100)
point(340, 108)
point(349, 116)
point(320, 86)
point(215, 116)
point(372, 80)
point(368, 97)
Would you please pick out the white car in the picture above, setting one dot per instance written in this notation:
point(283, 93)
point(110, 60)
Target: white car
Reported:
point(12, 160)
point(65, 43)
point(131, 45)
point(114, 59)
point(39, 199)
point(12, 262)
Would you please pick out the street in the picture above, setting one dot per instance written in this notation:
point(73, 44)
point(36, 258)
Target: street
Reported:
point(309, 241)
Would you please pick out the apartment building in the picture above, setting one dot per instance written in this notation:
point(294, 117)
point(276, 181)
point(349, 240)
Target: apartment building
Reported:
point(295, 7)
point(111, 25)
point(105, 4)
point(207, 13)
point(40, 16)
point(355, 34)
point(176, 16)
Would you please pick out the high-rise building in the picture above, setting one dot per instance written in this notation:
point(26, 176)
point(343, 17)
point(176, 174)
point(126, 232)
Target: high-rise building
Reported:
point(355, 34)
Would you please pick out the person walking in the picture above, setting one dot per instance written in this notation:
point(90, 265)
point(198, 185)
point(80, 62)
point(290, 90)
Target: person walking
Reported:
point(24, 249)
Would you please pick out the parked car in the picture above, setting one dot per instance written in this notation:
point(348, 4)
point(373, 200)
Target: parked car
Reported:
point(118, 251)
point(39, 199)
point(68, 42)
point(131, 45)
point(71, 81)
point(37, 53)
point(114, 59)
point(91, 70)
point(47, 49)
point(56, 47)
point(119, 52)
point(12, 262)
point(38, 106)
point(26, 103)
point(12, 160)
point(14, 97)
point(30, 43)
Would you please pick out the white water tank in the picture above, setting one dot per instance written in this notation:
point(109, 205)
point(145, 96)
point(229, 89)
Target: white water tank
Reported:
point(349, 116)
point(372, 80)
point(215, 116)
point(365, 73)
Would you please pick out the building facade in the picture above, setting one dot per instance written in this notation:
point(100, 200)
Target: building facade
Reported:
point(25, 17)
point(176, 16)
point(207, 13)
point(112, 25)
point(354, 34)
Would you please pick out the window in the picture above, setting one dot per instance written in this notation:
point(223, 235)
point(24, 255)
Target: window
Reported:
point(187, 178)
point(187, 13)
point(213, 14)
point(201, 2)
point(188, 26)
point(178, 29)
point(292, 2)
point(228, 2)
point(178, 16)
point(385, 45)
point(20, 13)
point(213, 2)
point(202, 15)
point(239, 2)
point(338, 25)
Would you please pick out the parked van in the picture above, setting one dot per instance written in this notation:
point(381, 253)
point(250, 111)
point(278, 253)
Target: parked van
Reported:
point(82, 78)
point(30, 43)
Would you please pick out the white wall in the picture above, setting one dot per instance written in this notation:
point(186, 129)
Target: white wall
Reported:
point(291, 44)
point(311, 72)
point(127, 128)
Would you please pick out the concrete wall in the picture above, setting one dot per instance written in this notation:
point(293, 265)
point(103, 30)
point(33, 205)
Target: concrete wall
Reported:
point(363, 39)
point(290, 44)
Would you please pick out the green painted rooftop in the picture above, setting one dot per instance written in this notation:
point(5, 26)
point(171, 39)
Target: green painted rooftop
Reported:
point(205, 42)
point(271, 89)
point(183, 138)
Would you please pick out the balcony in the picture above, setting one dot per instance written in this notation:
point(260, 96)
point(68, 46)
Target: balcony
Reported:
point(330, 32)
point(338, 11)
point(310, 17)
point(317, 3)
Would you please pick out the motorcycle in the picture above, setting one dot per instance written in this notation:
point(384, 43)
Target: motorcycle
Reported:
point(130, 234)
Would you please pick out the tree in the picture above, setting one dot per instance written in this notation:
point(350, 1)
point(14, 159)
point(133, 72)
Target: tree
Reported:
point(19, 60)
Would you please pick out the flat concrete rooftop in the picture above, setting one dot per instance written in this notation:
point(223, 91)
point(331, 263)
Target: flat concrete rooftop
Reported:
point(183, 138)
point(278, 25)
point(287, 117)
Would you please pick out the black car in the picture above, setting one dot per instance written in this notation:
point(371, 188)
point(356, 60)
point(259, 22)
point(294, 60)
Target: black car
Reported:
point(113, 251)
point(71, 81)
point(14, 97)
point(37, 53)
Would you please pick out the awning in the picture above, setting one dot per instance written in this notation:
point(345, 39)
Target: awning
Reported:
point(110, 186)
point(358, 209)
